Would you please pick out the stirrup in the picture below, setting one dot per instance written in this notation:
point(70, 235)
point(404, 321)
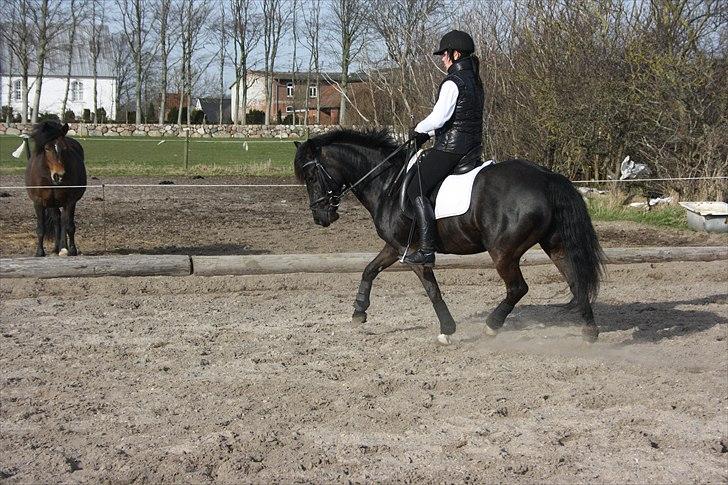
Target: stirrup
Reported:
point(426, 259)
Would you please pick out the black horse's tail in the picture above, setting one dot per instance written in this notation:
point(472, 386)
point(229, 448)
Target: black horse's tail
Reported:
point(581, 246)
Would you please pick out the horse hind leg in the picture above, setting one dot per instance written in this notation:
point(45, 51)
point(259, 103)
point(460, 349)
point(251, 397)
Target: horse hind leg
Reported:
point(556, 252)
point(509, 270)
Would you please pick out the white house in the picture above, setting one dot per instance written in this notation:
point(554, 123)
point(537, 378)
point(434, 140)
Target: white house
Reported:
point(81, 89)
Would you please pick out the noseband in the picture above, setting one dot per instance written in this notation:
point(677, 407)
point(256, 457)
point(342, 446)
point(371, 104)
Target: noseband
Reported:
point(333, 199)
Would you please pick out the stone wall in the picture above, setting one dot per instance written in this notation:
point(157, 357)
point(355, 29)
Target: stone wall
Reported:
point(195, 131)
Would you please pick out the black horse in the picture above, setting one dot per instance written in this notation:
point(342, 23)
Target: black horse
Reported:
point(53, 175)
point(514, 205)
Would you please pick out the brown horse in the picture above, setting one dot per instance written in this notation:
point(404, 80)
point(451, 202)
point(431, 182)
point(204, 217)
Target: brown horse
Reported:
point(56, 165)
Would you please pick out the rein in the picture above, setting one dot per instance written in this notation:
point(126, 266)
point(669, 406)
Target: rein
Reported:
point(335, 199)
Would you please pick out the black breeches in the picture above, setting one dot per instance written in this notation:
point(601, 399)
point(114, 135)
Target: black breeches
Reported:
point(434, 167)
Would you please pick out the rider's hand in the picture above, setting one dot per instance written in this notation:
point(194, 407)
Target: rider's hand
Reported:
point(419, 138)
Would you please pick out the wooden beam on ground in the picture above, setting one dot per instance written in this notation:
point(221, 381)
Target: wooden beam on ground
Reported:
point(182, 265)
point(74, 266)
point(355, 262)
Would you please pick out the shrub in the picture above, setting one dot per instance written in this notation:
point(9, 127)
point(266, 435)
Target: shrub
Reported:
point(100, 115)
point(86, 115)
point(69, 116)
point(255, 117)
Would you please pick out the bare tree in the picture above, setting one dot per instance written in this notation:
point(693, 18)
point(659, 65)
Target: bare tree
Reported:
point(350, 27)
point(274, 19)
point(246, 36)
point(408, 30)
point(98, 15)
point(311, 30)
point(19, 37)
point(223, 40)
point(136, 30)
point(122, 67)
point(75, 12)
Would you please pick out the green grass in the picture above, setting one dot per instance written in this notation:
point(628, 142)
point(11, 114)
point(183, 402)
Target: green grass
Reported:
point(664, 216)
point(146, 157)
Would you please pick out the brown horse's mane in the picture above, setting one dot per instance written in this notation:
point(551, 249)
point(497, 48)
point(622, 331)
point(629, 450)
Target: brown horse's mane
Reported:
point(45, 132)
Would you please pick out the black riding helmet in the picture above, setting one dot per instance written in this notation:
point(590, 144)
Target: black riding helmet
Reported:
point(456, 40)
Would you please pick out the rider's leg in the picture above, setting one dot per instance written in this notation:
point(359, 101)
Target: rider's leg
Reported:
point(434, 167)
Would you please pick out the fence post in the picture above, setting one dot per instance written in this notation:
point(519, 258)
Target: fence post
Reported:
point(187, 148)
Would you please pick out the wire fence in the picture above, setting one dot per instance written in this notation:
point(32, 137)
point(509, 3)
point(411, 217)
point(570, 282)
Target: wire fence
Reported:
point(175, 185)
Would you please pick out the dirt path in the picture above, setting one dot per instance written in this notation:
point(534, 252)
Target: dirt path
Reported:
point(256, 379)
point(177, 220)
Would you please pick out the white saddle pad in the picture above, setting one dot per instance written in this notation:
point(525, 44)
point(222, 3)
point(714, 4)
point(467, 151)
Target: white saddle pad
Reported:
point(453, 199)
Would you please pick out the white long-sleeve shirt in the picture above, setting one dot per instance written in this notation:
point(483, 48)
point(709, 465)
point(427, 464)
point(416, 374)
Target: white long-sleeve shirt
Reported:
point(443, 110)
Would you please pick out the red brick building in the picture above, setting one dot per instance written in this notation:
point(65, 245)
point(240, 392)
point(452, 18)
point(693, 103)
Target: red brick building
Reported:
point(296, 94)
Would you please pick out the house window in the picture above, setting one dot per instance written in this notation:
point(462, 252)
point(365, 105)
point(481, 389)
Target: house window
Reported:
point(289, 90)
point(76, 91)
point(289, 109)
point(313, 91)
point(16, 90)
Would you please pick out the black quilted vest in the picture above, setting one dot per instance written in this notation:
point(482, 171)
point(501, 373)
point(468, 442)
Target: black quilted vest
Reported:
point(464, 130)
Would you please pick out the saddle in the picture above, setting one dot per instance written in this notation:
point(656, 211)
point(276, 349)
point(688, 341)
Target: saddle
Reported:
point(470, 161)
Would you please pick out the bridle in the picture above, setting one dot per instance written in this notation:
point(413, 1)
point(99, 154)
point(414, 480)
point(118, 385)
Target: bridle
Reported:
point(333, 199)
point(333, 196)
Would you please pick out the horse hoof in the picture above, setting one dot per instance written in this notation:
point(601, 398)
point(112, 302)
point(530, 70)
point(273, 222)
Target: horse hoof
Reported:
point(443, 339)
point(590, 334)
point(490, 332)
point(63, 252)
point(73, 252)
point(359, 317)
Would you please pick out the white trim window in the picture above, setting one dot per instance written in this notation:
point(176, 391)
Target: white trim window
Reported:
point(76, 91)
point(17, 90)
point(289, 109)
point(313, 91)
point(289, 90)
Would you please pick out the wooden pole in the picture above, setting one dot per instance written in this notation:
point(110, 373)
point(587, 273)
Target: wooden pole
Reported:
point(181, 265)
point(75, 266)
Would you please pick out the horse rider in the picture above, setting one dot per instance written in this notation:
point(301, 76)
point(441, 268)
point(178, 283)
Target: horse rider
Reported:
point(457, 123)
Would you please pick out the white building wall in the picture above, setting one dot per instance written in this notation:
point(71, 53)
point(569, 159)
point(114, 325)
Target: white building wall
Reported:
point(255, 95)
point(54, 88)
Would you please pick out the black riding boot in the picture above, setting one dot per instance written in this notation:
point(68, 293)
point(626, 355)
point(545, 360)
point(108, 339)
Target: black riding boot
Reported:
point(425, 217)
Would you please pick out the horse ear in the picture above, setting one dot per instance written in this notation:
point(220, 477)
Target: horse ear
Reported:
point(64, 129)
point(297, 143)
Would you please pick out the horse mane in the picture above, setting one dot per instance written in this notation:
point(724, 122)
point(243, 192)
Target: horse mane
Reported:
point(44, 132)
point(375, 139)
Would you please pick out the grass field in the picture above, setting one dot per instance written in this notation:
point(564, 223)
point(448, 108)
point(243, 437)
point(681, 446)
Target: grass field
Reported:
point(146, 156)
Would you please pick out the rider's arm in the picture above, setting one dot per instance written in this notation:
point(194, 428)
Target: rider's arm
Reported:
point(443, 110)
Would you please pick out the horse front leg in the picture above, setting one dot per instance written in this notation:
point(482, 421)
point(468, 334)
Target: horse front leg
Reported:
point(70, 227)
point(386, 257)
point(63, 250)
point(39, 228)
point(447, 322)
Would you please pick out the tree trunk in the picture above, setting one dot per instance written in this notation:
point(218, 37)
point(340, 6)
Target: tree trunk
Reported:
point(40, 59)
point(163, 19)
point(138, 61)
point(71, 41)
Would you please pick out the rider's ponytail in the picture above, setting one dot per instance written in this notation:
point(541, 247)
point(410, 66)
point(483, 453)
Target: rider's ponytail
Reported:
point(476, 68)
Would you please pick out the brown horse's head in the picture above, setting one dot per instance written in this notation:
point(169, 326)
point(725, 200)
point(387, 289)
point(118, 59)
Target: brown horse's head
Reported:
point(50, 143)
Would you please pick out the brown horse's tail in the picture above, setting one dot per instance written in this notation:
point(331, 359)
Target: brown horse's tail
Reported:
point(583, 251)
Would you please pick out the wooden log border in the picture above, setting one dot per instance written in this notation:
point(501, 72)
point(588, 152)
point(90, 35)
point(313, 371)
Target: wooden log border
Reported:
point(182, 265)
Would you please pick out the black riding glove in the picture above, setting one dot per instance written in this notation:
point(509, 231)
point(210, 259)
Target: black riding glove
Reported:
point(419, 138)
